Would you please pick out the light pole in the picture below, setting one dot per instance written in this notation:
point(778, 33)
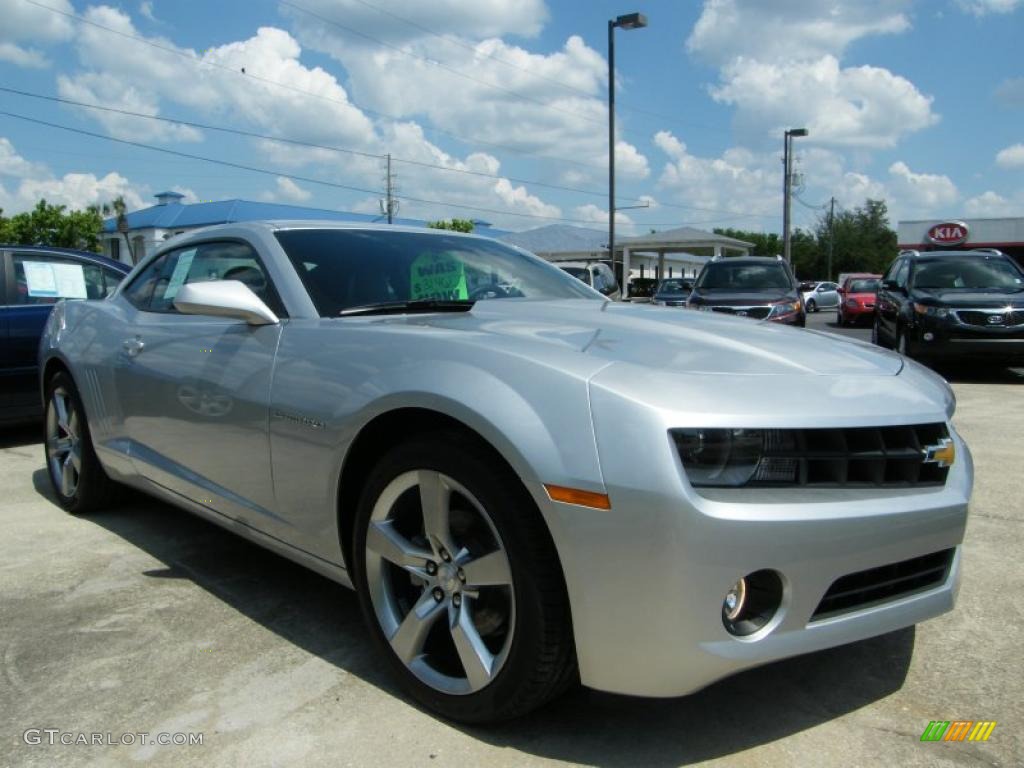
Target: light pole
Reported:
point(787, 185)
point(627, 21)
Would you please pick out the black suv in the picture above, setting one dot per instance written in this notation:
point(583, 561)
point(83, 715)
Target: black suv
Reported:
point(749, 286)
point(951, 304)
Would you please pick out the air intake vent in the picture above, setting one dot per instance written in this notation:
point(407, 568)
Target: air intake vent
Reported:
point(888, 582)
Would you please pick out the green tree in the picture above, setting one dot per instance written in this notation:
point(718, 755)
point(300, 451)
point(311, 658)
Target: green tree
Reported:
point(54, 225)
point(455, 225)
point(864, 241)
point(118, 209)
point(765, 243)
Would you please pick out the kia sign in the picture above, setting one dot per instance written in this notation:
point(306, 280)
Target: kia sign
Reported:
point(948, 233)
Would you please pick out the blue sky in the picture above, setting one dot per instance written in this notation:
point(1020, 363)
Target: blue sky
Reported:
point(500, 105)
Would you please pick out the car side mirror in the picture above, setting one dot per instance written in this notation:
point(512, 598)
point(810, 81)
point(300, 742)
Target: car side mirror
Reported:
point(890, 285)
point(224, 298)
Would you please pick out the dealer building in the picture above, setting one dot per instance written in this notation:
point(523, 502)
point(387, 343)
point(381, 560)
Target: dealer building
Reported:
point(963, 234)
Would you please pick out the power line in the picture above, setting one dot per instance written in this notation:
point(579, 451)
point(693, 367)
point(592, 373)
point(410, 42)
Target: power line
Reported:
point(294, 177)
point(297, 142)
point(359, 153)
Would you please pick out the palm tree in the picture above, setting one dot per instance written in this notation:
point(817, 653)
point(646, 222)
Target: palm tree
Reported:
point(117, 208)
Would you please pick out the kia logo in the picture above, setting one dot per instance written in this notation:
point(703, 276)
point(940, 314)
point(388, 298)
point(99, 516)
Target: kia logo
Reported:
point(948, 233)
point(995, 319)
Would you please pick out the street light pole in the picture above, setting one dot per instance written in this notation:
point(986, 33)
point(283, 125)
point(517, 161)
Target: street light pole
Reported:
point(627, 21)
point(787, 186)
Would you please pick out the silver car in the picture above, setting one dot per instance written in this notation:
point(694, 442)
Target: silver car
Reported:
point(527, 484)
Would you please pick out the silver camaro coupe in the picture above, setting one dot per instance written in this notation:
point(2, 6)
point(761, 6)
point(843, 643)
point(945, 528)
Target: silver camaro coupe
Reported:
point(528, 485)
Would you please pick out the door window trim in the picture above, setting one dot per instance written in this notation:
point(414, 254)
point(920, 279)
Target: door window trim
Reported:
point(151, 259)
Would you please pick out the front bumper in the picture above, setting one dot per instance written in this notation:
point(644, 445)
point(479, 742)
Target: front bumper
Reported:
point(943, 339)
point(647, 578)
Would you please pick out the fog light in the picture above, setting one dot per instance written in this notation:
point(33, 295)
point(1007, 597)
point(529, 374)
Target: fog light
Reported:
point(928, 336)
point(735, 600)
point(752, 602)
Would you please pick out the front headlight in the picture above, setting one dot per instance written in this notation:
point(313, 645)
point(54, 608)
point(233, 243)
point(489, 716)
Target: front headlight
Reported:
point(719, 457)
point(924, 309)
point(785, 308)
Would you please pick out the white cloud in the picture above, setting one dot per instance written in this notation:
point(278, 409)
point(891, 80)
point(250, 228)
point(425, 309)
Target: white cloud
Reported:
point(286, 191)
point(34, 181)
point(779, 65)
point(925, 191)
point(146, 10)
point(991, 204)
point(794, 29)
point(985, 7)
point(1011, 157)
point(21, 23)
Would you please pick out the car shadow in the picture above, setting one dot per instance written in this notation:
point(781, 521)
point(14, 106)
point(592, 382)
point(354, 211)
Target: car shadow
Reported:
point(313, 613)
point(966, 373)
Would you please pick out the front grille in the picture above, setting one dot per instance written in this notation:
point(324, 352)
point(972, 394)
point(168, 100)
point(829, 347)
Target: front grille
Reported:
point(980, 317)
point(852, 456)
point(758, 313)
point(888, 582)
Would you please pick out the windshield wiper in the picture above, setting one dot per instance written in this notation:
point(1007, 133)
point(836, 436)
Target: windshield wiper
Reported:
point(416, 305)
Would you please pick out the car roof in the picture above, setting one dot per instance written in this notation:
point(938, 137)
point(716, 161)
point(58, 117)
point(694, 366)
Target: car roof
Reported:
point(747, 260)
point(936, 255)
point(87, 255)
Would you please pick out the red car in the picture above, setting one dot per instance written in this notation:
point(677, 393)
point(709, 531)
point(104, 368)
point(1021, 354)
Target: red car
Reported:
point(857, 298)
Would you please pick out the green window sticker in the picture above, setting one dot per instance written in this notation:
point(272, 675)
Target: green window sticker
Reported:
point(438, 276)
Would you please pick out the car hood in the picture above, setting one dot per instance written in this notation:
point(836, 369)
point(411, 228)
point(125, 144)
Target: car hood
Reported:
point(959, 297)
point(664, 339)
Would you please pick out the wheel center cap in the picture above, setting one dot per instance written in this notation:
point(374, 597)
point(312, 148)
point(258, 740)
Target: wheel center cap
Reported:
point(448, 578)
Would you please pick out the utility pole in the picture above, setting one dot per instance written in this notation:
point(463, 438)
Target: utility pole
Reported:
point(787, 186)
point(389, 206)
point(831, 234)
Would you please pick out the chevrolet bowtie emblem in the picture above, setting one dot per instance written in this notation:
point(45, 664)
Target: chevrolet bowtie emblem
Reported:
point(942, 453)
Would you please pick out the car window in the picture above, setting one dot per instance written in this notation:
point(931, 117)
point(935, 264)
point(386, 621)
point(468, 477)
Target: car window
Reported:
point(967, 272)
point(867, 285)
point(155, 288)
point(724, 276)
point(346, 268)
point(45, 279)
point(604, 281)
point(902, 271)
point(579, 273)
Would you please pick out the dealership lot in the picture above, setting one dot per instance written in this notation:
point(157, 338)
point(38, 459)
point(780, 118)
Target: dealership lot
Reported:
point(145, 619)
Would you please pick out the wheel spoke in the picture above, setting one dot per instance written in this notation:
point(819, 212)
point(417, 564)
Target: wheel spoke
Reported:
point(382, 539)
point(58, 446)
point(76, 457)
point(60, 404)
point(487, 571)
point(407, 641)
point(73, 423)
point(476, 660)
point(435, 497)
point(67, 476)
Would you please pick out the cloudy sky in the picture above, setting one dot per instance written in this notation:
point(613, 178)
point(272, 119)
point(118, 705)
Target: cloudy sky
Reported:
point(496, 109)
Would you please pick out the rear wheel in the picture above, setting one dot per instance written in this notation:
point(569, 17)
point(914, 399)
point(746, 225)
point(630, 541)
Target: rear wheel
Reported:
point(904, 345)
point(876, 334)
point(75, 473)
point(460, 584)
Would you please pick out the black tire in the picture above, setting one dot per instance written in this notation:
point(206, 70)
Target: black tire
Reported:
point(904, 345)
point(93, 490)
point(876, 334)
point(541, 660)
point(812, 305)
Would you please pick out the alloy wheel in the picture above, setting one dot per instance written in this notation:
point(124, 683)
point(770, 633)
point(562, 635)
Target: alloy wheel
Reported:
point(440, 582)
point(63, 442)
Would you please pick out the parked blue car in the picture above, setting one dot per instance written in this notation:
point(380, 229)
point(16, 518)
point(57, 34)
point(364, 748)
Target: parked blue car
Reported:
point(32, 280)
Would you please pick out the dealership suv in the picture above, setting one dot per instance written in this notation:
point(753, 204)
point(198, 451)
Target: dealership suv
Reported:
point(749, 286)
point(952, 304)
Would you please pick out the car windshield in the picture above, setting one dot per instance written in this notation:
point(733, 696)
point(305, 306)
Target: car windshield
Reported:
point(744, 277)
point(342, 269)
point(864, 286)
point(579, 273)
point(968, 272)
point(672, 286)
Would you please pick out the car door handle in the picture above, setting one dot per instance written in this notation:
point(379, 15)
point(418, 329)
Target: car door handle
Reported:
point(133, 346)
